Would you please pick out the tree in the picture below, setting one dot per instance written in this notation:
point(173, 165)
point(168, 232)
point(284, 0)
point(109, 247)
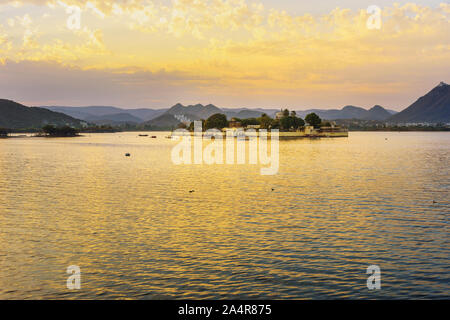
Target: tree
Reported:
point(3, 132)
point(249, 121)
point(291, 122)
point(49, 129)
point(216, 121)
point(313, 120)
point(275, 124)
point(286, 113)
point(265, 121)
point(293, 113)
point(65, 131)
point(286, 123)
point(298, 123)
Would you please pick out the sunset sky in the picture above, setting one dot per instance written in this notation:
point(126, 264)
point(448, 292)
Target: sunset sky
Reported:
point(232, 53)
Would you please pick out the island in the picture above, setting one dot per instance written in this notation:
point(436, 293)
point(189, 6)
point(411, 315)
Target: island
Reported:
point(287, 123)
point(53, 131)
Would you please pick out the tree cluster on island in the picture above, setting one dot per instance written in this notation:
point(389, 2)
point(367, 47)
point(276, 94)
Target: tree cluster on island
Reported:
point(373, 125)
point(3, 132)
point(287, 122)
point(102, 129)
point(64, 131)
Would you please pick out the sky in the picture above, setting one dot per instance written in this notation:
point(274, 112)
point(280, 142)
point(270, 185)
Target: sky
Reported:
point(231, 53)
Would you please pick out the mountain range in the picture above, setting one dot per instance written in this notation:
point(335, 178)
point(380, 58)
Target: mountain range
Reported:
point(107, 114)
point(163, 118)
point(434, 107)
point(180, 113)
point(351, 112)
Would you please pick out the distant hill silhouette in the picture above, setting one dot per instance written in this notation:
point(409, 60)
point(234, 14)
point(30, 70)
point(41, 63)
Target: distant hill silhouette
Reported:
point(434, 107)
point(199, 111)
point(163, 122)
point(178, 113)
point(194, 112)
point(154, 117)
point(243, 114)
point(114, 119)
point(14, 115)
point(350, 112)
point(377, 113)
point(108, 114)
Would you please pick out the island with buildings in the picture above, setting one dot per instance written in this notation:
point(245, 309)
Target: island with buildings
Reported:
point(287, 123)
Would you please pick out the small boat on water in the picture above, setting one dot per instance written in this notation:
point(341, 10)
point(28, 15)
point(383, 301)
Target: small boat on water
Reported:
point(143, 135)
point(154, 137)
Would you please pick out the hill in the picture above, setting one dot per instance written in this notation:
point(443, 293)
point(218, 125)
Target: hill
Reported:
point(177, 113)
point(180, 113)
point(114, 119)
point(243, 114)
point(163, 122)
point(199, 111)
point(14, 115)
point(108, 114)
point(349, 112)
point(194, 112)
point(377, 113)
point(434, 107)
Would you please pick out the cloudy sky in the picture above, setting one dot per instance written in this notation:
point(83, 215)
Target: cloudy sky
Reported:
point(232, 53)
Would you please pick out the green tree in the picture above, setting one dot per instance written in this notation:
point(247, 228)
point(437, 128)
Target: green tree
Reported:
point(286, 113)
point(286, 123)
point(65, 131)
point(265, 121)
point(49, 129)
point(249, 121)
point(216, 121)
point(313, 120)
point(291, 122)
point(275, 124)
point(298, 123)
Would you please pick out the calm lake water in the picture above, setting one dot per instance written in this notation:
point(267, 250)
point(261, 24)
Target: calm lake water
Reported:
point(135, 230)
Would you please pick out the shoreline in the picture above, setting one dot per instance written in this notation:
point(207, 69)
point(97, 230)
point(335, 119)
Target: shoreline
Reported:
point(32, 135)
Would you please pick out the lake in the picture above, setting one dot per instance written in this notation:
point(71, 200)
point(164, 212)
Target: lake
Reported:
point(141, 227)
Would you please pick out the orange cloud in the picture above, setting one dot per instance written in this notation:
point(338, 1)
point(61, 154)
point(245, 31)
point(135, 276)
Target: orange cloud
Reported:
point(250, 50)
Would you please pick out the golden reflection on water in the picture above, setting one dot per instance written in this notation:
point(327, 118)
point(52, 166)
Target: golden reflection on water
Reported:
point(135, 230)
